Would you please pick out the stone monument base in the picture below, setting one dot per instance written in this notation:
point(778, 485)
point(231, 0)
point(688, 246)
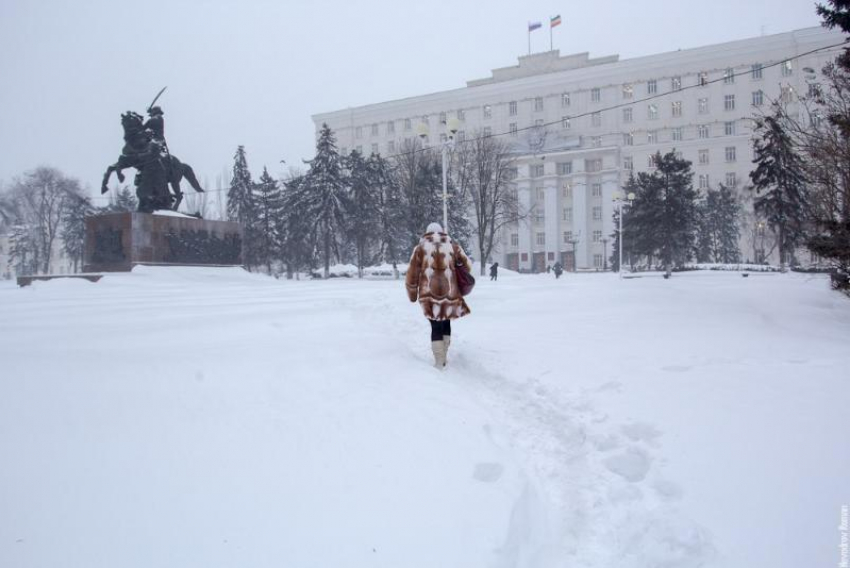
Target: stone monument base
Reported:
point(116, 242)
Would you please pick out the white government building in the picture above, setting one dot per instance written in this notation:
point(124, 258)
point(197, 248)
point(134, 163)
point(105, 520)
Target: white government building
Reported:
point(581, 125)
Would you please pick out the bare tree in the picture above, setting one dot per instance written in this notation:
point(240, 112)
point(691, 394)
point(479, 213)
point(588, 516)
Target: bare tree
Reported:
point(484, 168)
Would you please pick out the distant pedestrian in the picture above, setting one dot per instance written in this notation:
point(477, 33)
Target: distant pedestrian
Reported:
point(548, 269)
point(494, 271)
point(558, 270)
point(431, 279)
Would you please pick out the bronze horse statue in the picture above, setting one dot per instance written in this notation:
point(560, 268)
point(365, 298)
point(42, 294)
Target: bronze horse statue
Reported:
point(156, 167)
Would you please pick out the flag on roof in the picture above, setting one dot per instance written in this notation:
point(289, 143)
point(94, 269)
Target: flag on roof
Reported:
point(555, 21)
point(534, 25)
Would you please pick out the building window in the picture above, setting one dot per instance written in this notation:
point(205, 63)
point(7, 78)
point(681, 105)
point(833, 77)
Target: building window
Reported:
point(487, 132)
point(702, 79)
point(595, 94)
point(512, 108)
point(677, 134)
point(758, 98)
point(568, 236)
point(652, 111)
point(596, 190)
point(538, 123)
point(627, 114)
point(461, 115)
point(565, 99)
point(565, 122)
point(407, 124)
point(567, 192)
point(568, 214)
point(375, 149)
point(730, 154)
point(628, 139)
point(786, 93)
point(488, 111)
point(651, 87)
point(703, 181)
point(729, 128)
point(703, 157)
point(536, 170)
point(524, 256)
point(595, 141)
point(628, 163)
point(652, 137)
point(512, 128)
point(391, 147)
point(702, 131)
point(539, 215)
point(541, 239)
point(593, 165)
point(358, 132)
point(677, 108)
point(597, 213)
point(729, 76)
point(814, 90)
point(676, 84)
point(597, 261)
point(731, 180)
point(729, 102)
point(514, 239)
point(538, 104)
point(565, 168)
point(650, 161)
point(596, 119)
point(628, 91)
point(539, 194)
point(703, 105)
point(787, 68)
point(756, 71)
point(597, 236)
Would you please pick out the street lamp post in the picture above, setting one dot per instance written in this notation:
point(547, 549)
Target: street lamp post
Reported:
point(452, 126)
point(605, 254)
point(621, 200)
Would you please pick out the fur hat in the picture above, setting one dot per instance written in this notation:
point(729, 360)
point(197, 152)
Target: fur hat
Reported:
point(434, 228)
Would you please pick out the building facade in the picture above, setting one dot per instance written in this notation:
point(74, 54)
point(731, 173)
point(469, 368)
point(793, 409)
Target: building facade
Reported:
point(580, 126)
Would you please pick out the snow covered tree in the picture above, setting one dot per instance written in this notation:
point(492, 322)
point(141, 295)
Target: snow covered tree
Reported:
point(779, 183)
point(390, 211)
point(240, 204)
point(718, 230)
point(73, 232)
point(122, 200)
point(363, 209)
point(296, 229)
point(267, 203)
point(483, 172)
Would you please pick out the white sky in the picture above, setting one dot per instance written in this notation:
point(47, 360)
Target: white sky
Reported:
point(252, 72)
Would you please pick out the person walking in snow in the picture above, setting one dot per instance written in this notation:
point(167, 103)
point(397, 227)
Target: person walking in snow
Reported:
point(494, 271)
point(558, 270)
point(431, 280)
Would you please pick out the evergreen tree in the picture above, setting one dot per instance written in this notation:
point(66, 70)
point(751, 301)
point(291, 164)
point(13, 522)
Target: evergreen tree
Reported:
point(296, 230)
point(390, 211)
point(327, 197)
point(122, 200)
point(267, 203)
point(240, 206)
point(73, 232)
point(363, 211)
point(779, 183)
point(718, 229)
point(642, 222)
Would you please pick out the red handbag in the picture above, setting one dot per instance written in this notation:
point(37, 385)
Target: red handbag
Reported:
point(465, 280)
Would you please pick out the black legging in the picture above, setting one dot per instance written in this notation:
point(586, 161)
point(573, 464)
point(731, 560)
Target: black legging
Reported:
point(440, 328)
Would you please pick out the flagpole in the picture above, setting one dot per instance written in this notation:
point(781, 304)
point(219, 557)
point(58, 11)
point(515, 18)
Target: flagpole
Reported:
point(550, 36)
point(529, 39)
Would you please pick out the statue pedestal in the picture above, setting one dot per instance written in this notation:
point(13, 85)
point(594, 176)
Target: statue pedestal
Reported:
point(116, 242)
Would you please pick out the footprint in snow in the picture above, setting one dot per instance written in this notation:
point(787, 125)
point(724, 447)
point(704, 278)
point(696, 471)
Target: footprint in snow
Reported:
point(488, 472)
point(632, 465)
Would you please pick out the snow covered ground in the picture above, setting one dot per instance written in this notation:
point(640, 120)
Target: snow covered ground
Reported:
point(210, 417)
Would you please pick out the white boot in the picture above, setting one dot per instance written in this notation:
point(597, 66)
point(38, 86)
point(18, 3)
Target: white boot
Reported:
point(447, 340)
point(438, 348)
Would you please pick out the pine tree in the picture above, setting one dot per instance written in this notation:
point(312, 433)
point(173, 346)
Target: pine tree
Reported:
point(122, 200)
point(678, 223)
point(328, 200)
point(296, 230)
point(390, 211)
point(240, 207)
point(73, 232)
point(779, 184)
point(267, 204)
point(363, 211)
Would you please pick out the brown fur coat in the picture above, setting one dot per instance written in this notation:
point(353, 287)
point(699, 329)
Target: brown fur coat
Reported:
point(431, 277)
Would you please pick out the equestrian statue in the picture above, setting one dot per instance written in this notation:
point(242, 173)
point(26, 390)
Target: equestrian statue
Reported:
point(156, 168)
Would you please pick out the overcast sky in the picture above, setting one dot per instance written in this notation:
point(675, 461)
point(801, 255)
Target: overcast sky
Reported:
point(253, 72)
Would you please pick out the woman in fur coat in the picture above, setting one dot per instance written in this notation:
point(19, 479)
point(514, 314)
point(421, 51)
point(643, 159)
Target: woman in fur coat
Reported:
point(431, 279)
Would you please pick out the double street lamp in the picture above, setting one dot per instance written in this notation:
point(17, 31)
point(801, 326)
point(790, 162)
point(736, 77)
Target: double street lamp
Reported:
point(452, 126)
point(620, 200)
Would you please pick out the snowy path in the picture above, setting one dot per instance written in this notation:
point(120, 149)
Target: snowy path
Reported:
point(233, 420)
